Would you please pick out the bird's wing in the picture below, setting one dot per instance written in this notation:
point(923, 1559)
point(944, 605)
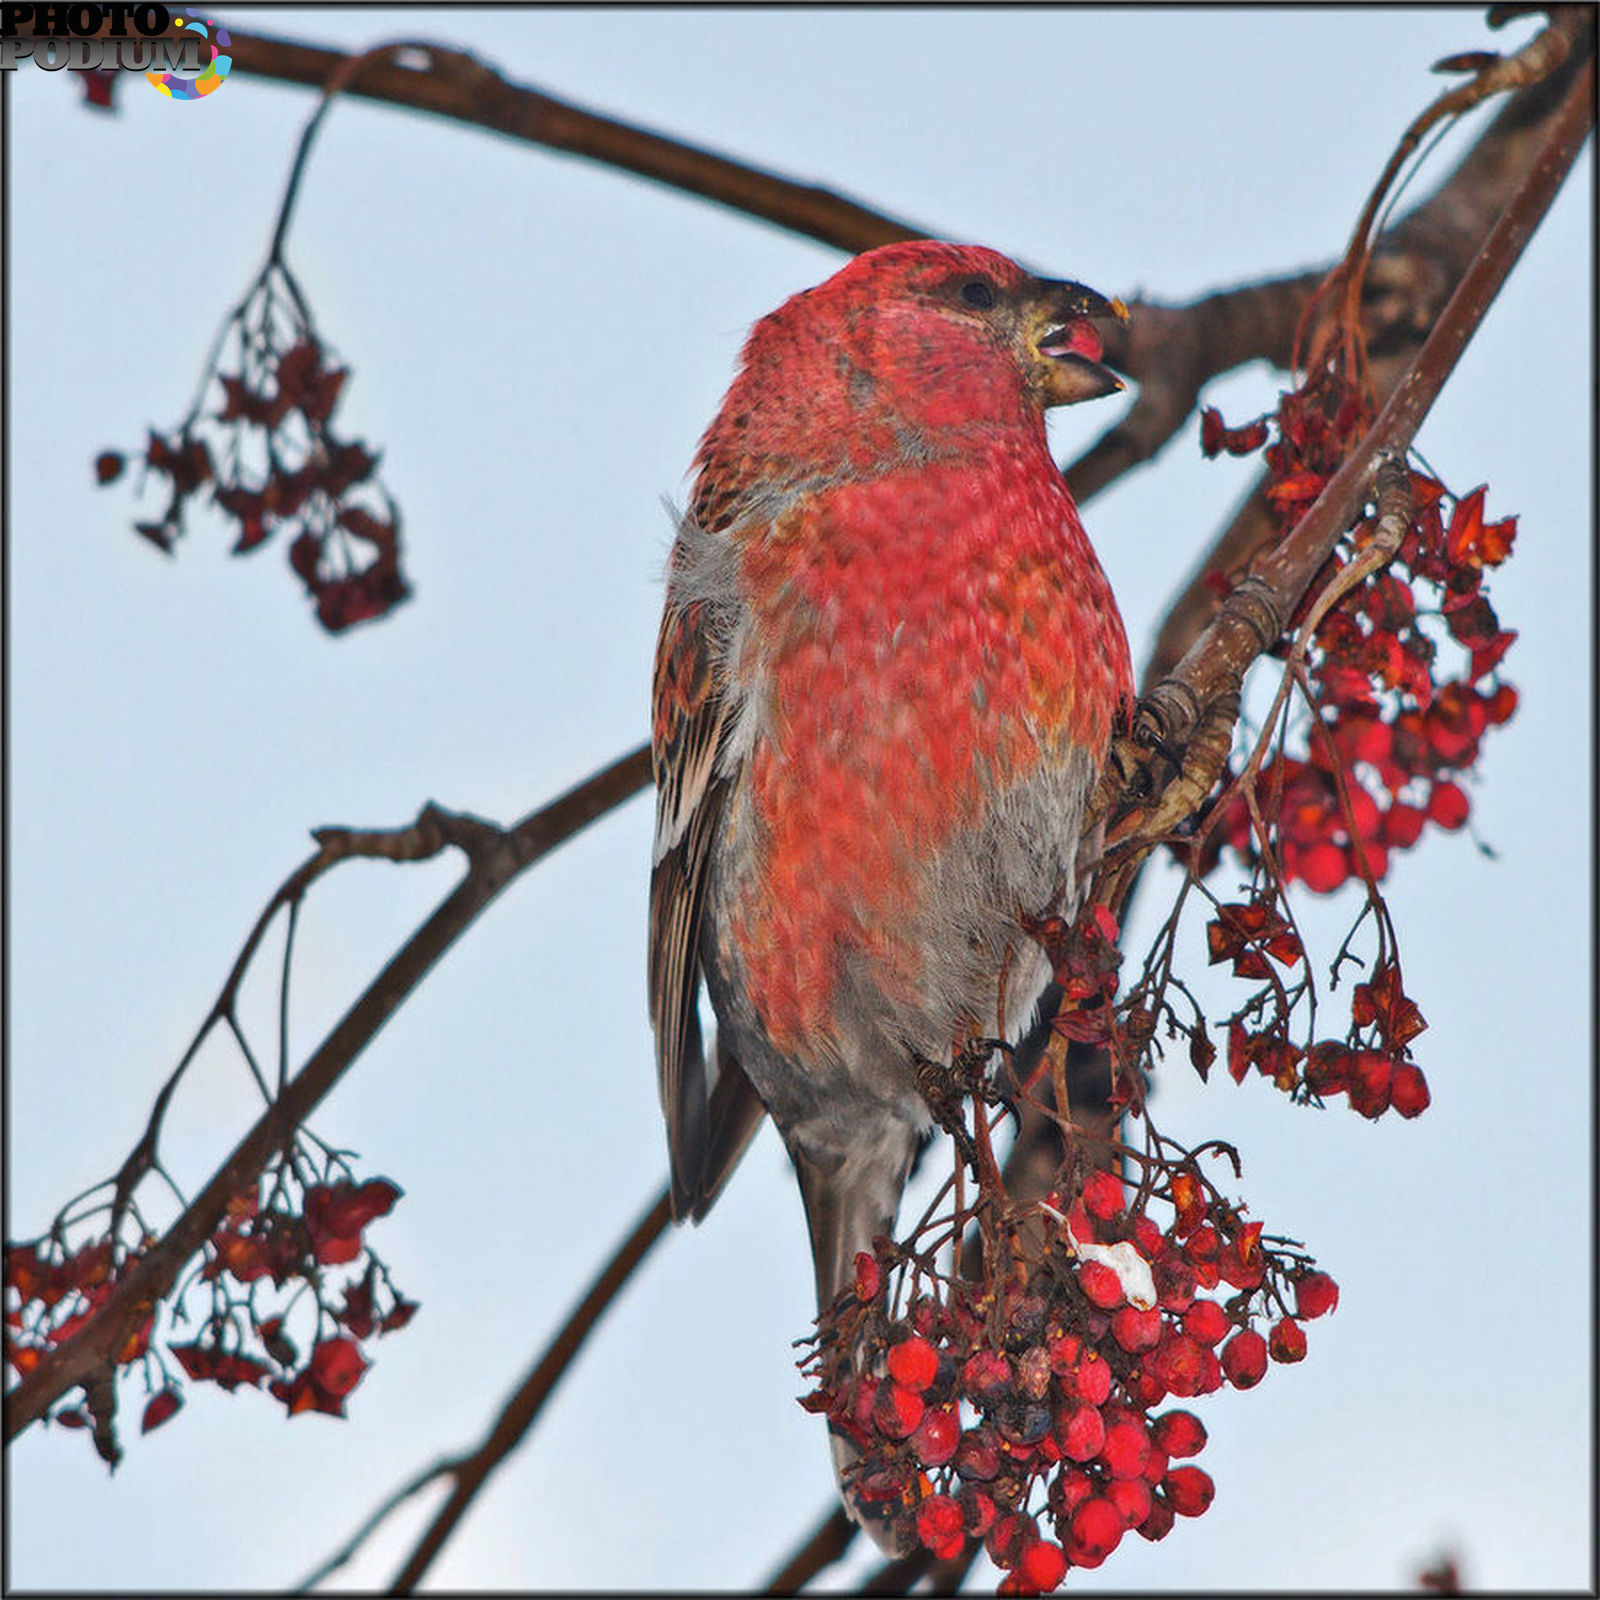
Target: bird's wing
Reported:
point(706, 1133)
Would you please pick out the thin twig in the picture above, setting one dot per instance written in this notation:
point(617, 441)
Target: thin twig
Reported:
point(827, 1543)
point(518, 1414)
point(490, 869)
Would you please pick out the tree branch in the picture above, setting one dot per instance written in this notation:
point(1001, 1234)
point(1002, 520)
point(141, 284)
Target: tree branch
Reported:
point(495, 857)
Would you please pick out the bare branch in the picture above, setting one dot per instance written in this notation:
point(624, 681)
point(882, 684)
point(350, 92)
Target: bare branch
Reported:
point(495, 858)
point(517, 1416)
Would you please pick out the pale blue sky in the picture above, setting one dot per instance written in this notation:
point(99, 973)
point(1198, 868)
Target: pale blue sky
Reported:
point(536, 345)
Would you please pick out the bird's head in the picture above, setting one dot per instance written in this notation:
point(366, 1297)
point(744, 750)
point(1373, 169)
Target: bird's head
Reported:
point(937, 312)
point(904, 350)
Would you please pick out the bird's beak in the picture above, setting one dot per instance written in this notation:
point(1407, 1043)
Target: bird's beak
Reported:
point(1065, 347)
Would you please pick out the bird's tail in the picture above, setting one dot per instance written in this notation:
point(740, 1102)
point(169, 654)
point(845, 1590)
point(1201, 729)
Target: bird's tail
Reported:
point(850, 1198)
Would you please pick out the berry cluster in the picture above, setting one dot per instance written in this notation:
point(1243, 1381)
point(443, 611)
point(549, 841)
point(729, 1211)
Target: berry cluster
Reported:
point(288, 1242)
point(282, 466)
point(1394, 730)
point(1012, 1416)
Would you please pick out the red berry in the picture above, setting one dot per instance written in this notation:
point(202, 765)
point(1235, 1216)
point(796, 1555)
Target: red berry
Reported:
point(1179, 1433)
point(1315, 1294)
point(1402, 825)
point(869, 1277)
point(1189, 1489)
point(1155, 1469)
point(1159, 1523)
point(1287, 1341)
point(936, 1437)
point(941, 1526)
point(1089, 1380)
point(913, 1364)
point(1371, 1079)
point(1102, 1196)
point(1136, 1330)
point(896, 1411)
point(1501, 704)
point(1324, 867)
point(1097, 1529)
point(1206, 1322)
point(1148, 1237)
point(1043, 1566)
point(1080, 1431)
point(1244, 1359)
point(1064, 1352)
point(1448, 805)
point(1203, 1244)
point(1131, 1497)
point(1176, 1363)
point(1101, 1286)
point(1408, 1090)
point(1126, 1450)
point(1068, 1490)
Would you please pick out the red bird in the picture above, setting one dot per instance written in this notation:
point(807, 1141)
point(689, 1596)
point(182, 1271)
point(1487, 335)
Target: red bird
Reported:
point(884, 690)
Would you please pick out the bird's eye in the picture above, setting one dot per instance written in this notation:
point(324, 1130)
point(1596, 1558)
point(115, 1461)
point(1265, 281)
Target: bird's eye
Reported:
point(977, 292)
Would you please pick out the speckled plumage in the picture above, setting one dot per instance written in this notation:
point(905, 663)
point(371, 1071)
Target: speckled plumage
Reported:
point(885, 685)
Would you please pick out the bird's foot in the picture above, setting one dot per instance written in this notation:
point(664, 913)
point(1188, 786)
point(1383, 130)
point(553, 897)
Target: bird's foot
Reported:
point(942, 1091)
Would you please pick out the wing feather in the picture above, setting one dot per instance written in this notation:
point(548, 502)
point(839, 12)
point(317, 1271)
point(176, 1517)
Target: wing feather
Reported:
point(690, 723)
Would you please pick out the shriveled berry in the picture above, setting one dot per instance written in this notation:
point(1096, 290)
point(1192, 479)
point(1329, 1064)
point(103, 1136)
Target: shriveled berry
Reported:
point(978, 1510)
point(1033, 1372)
point(986, 1376)
point(1158, 1524)
point(1179, 1433)
point(1315, 1294)
point(1287, 1341)
point(913, 1364)
point(1189, 1490)
point(1244, 1359)
point(1175, 1280)
point(1010, 1537)
point(978, 1454)
point(1097, 1529)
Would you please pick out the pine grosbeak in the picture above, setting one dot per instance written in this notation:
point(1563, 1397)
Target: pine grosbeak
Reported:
point(884, 690)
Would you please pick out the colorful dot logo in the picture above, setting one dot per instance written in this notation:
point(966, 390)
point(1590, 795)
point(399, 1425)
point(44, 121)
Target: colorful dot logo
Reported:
point(177, 87)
